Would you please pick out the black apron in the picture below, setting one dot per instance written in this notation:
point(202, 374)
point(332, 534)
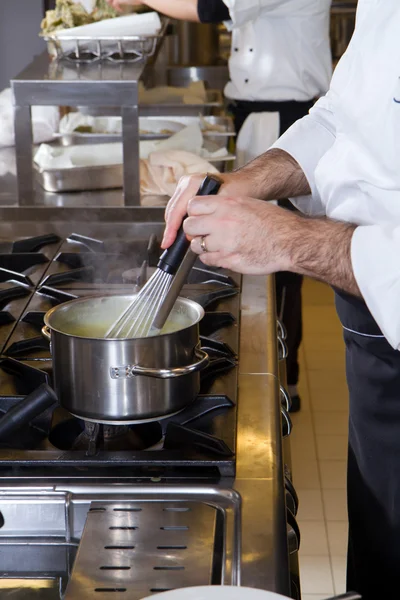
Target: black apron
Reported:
point(373, 375)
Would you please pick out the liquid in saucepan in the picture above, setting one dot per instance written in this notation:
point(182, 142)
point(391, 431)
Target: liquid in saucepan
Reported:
point(93, 319)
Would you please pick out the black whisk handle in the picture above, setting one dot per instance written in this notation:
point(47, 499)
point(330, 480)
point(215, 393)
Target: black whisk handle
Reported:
point(174, 255)
point(209, 186)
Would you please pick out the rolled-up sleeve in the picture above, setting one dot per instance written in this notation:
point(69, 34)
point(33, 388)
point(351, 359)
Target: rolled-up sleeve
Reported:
point(375, 257)
point(243, 11)
point(212, 11)
point(307, 141)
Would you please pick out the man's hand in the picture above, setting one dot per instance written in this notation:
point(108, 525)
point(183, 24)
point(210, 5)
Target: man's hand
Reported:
point(177, 9)
point(258, 238)
point(243, 234)
point(271, 176)
point(187, 189)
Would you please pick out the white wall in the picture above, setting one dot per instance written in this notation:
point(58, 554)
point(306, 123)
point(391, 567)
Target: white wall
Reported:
point(19, 41)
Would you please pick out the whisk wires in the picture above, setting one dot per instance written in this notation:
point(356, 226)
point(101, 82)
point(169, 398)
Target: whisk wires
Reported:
point(137, 319)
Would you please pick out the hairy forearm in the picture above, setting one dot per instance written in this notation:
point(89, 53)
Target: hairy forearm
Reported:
point(273, 175)
point(321, 249)
point(177, 9)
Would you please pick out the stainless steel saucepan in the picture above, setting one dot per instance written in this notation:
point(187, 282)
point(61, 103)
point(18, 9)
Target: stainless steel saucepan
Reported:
point(121, 381)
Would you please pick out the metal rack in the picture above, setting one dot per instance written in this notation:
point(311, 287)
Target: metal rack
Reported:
point(84, 49)
point(62, 82)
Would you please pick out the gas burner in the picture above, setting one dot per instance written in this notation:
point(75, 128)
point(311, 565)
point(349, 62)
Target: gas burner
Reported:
point(201, 438)
point(75, 434)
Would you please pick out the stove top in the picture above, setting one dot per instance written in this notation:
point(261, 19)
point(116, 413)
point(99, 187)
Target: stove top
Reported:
point(41, 272)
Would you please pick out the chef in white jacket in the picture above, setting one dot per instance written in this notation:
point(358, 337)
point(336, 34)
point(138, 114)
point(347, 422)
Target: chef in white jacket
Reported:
point(280, 63)
point(341, 167)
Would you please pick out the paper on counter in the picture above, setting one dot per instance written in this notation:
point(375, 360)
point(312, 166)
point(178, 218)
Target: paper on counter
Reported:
point(90, 155)
point(144, 24)
point(128, 25)
point(189, 139)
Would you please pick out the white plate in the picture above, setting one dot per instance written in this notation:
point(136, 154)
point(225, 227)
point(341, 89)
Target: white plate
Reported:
point(217, 592)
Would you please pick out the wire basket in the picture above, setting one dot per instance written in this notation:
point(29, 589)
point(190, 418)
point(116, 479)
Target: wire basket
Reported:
point(86, 49)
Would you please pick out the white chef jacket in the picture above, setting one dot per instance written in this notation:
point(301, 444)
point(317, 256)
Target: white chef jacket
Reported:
point(349, 149)
point(280, 49)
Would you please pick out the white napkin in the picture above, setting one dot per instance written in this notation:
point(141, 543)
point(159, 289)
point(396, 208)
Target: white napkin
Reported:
point(159, 175)
point(258, 133)
point(45, 121)
point(189, 139)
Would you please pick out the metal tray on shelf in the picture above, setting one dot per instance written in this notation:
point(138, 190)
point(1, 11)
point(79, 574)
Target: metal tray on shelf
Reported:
point(84, 49)
point(214, 103)
point(80, 179)
point(221, 136)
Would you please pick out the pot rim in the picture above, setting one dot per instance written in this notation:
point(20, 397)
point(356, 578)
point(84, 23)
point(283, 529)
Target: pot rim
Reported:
point(83, 299)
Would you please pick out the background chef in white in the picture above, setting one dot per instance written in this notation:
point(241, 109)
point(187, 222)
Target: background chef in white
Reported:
point(341, 166)
point(280, 63)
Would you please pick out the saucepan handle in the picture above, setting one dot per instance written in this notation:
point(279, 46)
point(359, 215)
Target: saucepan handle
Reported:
point(129, 371)
point(46, 332)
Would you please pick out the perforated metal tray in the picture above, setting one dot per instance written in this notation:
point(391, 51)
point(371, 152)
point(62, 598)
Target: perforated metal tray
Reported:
point(140, 548)
point(86, 49)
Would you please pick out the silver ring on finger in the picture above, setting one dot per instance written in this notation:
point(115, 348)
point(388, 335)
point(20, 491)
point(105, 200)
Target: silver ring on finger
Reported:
point(203, 245)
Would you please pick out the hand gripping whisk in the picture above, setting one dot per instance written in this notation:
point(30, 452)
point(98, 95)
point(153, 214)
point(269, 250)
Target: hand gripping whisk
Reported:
point(147, 313)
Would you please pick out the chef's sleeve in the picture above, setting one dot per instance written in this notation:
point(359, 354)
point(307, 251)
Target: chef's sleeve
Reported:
point(375, 257)
point(307, 141)
point(212, 11)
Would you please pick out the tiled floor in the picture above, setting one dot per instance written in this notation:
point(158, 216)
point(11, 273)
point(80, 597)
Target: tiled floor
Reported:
point(319, 446)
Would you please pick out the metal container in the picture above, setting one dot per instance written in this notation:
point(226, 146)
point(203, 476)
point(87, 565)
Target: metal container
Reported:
point(198, 43)
point(215, 77)
point(115, 48)
point(220, 130)
point(121, 381)
point(99, 177)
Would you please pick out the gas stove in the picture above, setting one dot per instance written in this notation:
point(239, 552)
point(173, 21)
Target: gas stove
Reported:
point(41, 272)
point(90, 510)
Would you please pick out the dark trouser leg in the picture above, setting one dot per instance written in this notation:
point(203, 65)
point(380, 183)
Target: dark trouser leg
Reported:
point(288, 301)
point(373, 373)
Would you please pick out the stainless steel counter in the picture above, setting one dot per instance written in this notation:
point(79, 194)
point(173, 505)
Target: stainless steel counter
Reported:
point(255, 499)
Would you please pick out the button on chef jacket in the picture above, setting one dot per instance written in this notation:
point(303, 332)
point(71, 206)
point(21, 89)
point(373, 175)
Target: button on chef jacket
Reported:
point(349, 149)
point(280, 48)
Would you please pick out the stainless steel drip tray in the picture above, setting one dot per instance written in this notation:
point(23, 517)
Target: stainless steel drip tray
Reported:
point(135, 542)
point(144, 548)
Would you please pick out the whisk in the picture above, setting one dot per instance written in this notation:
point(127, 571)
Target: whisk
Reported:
point(157, 297)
